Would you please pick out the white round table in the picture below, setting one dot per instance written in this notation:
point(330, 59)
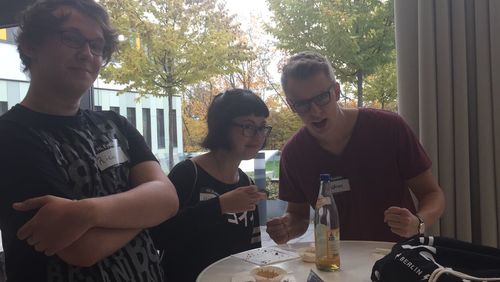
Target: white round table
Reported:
point(356, 262)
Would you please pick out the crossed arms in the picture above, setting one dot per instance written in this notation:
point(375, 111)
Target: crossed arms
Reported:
point(83, 232)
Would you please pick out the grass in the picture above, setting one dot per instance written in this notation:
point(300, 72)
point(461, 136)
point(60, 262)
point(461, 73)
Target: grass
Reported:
point(273, 166)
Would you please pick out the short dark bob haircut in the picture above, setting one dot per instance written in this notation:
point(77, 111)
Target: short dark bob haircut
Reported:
point(38, 21)
point(225, 107)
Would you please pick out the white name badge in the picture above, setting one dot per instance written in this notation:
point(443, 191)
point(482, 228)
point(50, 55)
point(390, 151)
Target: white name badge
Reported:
point(340, 185)
point(206, 196)
point(112, 156)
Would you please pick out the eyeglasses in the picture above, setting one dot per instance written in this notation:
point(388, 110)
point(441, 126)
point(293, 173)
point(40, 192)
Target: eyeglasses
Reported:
point(321, 99)
point(75, 40)
point(250, 130)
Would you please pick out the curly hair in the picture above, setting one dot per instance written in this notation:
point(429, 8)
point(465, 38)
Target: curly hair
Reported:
point(39, 20)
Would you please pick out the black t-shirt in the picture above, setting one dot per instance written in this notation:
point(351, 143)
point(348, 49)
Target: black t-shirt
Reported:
point(200, 234)
point(82, 156)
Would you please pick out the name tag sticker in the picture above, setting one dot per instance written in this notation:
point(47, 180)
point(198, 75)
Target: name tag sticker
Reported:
point(112, 156)
point(207, 196)
point(340, 184)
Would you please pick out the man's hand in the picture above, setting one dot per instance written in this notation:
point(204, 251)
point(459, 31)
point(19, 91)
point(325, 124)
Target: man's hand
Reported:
point(278, 230)
point(58, 223)
point(401, 221)
point(241, 199)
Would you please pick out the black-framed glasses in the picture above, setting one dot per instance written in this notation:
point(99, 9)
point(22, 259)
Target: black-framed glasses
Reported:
point(75, 40)
point(250, 130)
point(321, 99)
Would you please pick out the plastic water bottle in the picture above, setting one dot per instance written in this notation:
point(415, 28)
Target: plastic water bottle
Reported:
point(326, 228)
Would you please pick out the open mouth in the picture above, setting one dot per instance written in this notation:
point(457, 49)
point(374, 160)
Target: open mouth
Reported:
point(319, 124)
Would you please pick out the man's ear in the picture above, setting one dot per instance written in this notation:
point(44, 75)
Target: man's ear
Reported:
point(337, 91)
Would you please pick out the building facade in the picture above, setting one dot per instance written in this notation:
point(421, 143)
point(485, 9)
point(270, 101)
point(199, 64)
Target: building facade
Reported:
point(148, 114)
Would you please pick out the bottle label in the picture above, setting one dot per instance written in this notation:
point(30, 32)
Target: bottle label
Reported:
point(327, 241)
point(333, 241)
point(322, 201)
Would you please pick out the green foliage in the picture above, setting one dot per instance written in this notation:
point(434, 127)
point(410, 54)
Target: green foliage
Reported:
point(381, 90)
point(284, 122)
point(171, 44)
point(357, 36)
point(274, 167)
point(272, 189)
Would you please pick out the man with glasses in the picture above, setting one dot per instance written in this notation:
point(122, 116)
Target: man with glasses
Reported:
point(373, 155)
point(78, 188)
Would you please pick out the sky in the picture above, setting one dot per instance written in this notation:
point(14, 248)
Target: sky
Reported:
point(244, 9)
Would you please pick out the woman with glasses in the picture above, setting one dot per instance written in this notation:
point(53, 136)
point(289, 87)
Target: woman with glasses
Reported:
point(218, 215)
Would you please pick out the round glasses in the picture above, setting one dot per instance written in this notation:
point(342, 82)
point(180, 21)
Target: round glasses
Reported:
point(320, 100)
point(250, 130)
point(75, 40)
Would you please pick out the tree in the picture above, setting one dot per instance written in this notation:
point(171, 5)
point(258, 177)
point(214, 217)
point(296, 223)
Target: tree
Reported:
point(381, 87)
point(252, 74)
point(355, 35)
point(196, 101)
point(171, 44)
point(285, 123)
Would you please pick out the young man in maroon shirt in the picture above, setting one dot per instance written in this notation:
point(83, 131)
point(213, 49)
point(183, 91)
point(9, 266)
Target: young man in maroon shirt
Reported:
point(373, 155)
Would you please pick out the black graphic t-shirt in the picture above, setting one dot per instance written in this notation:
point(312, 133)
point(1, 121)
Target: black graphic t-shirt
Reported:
point(200, 234)
point(76, 157)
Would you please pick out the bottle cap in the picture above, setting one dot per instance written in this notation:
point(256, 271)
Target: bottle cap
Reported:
point(324, 177)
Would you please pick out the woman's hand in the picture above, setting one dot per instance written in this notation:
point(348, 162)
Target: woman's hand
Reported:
point(241, 199)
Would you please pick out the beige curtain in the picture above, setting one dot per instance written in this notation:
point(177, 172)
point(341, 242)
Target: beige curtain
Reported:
point(448, 66)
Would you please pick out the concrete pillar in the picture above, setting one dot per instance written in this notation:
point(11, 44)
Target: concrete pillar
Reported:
point(260, 180)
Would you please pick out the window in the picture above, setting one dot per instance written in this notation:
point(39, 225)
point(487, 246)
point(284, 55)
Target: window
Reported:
point(115, 109)
point(146, 125)
point(173, 120)
point(160, 125)
point(3, 108)
point(97, 108)
point(8, 35)
point(131, 116)
point(3, 34)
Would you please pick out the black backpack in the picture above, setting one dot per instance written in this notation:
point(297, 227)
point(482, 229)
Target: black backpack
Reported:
point(438, 259)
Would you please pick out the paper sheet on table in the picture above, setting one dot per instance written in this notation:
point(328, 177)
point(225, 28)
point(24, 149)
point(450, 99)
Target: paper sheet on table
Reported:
point(267, 255)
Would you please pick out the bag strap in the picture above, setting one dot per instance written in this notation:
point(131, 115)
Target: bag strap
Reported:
point(193, 188)
point(250, 180)
point(162, 252)
point(465, 277)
